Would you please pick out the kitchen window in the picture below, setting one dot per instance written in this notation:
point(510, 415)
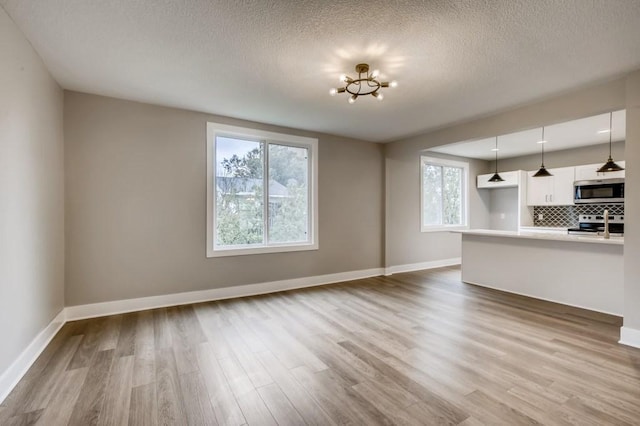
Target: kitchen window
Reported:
point(261, 191)
point(443, 194)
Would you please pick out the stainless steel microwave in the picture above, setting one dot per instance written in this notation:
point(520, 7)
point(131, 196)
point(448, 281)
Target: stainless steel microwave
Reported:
point(599, 191)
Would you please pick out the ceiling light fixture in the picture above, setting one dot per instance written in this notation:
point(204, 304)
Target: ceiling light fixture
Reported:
point(543, 171)
point(496, 177)
point(366, 84)
point(610, 165)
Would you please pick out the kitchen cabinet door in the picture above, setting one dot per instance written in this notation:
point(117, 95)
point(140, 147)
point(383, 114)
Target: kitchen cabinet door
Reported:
point(556, 190)
point(538, 189)
point(563, 179)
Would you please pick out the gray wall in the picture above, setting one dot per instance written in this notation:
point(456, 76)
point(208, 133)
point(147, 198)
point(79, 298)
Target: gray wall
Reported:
point(135, 205)
point(503, 209)
point(593, 154)
point(31, 194)
point(632, 207)
point(405, 243)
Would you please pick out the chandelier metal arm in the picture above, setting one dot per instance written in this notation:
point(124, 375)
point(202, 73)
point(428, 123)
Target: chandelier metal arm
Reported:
point(365, 84)
point(360, 92)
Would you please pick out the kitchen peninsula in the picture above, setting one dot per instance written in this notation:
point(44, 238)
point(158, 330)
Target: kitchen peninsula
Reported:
point(582, 271)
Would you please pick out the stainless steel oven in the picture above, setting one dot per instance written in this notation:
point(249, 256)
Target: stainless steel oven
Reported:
point(592, 224)
point(605, 191)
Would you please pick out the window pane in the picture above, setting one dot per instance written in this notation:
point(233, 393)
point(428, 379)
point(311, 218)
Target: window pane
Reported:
point(432, 195)
point(239, 192)
point(452, 196)
point(288, 194)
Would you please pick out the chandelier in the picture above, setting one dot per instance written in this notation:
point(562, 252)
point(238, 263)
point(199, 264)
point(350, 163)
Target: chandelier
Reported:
point(366, 84)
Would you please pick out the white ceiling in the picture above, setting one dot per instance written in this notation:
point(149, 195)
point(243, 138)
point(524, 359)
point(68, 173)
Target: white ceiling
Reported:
point(274, 61)
point(571, 134)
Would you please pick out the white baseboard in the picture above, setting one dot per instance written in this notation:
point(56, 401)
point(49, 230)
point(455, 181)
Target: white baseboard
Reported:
point(12, 375)
point(10, 378)
point(422, 265)
point(630, 337)
point(588, 308)
point(16, 371)
point(132, 305)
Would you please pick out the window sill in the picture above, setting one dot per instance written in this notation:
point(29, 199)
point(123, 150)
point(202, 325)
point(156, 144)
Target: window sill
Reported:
point(224, 252)
point(444, 228)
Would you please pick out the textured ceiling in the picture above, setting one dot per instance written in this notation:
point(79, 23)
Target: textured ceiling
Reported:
point(274, 61)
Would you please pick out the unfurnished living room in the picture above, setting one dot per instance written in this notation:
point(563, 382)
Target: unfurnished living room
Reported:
point(319, 212)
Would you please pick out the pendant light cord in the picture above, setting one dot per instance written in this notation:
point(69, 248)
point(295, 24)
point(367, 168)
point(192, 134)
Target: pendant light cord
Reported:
point(610, 131)
point(543, 142)
point(496, 155)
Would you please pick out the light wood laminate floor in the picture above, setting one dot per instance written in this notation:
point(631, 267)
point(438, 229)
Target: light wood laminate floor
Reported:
point(415, 348)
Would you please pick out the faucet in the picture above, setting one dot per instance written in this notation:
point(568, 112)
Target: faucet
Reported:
point(606, 224)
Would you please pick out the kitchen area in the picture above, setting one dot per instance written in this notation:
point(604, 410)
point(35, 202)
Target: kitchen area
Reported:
point(555, 234)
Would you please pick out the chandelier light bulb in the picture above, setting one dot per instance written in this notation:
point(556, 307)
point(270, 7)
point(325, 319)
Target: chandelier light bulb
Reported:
point(333, 91)
point(379, 96)
point(342, 78)
point(352, 99)
point(375, 73)
point(393, 84)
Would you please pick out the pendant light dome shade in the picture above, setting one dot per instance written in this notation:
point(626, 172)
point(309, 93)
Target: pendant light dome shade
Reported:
point(496, 177)
point(542, 172)
point(610, 165)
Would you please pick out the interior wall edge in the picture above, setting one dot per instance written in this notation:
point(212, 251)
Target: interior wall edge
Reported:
point(629, 337)
point(31, 195)
point(12, 375)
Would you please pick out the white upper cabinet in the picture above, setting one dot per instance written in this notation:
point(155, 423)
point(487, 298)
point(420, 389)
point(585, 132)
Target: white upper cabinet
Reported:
point(510, 180)
point(590, 172)
point(556, 190)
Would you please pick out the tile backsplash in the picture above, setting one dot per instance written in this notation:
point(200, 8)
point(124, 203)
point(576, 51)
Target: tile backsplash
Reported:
point(567, 216)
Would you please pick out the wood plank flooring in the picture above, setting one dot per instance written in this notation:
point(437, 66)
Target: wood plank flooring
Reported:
point(418, 348)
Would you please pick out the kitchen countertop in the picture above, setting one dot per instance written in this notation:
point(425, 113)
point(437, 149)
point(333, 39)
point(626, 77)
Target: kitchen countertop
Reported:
point(543, 229)
point(536, 235)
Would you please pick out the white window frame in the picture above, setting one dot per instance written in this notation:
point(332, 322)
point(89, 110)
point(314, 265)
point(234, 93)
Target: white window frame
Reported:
point(217, 129)
point(426, 160)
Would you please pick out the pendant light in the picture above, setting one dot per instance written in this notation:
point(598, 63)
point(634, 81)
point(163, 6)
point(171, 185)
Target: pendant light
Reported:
point(543, 171)
point(610, 165)
point(496, 177)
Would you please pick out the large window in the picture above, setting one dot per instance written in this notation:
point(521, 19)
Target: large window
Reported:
point(261, 191)
point(443, 194)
